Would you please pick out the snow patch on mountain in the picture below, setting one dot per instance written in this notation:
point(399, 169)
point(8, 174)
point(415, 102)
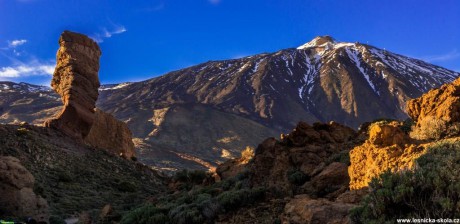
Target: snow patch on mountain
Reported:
point(256, 66)
point(116, 86)
point(23, 87)
point(353, 55)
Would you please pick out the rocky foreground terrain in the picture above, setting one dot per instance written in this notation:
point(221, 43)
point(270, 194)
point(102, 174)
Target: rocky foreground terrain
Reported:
point(321, 173)
point(317, 173)
point(72, 177)
point(203, 115)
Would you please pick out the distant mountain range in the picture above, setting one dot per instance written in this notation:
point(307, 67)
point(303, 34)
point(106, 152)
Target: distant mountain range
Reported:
point(205, 114)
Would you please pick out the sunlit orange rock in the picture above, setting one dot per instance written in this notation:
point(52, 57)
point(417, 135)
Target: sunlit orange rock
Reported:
point(76, 80)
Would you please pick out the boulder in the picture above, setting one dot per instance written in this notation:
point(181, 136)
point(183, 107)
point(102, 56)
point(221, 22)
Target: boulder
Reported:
point(17, 197)
point(353, 196)
point(332, 178)
point(304, 210)
point(230, 168)
point(300, 156)
point(387, 135)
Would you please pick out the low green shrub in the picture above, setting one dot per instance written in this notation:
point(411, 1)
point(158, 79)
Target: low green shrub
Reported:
point(453, 129)
point(341, 157)
point(126, 186)
point(297, 177)
point(231, 200)
point(64, 176)
point(22, 132)
point(56, 220)
point(407, 125)
point(201, 204)
point(186, 214)
point(429, 128)
point(193, 176)
point(146, 214)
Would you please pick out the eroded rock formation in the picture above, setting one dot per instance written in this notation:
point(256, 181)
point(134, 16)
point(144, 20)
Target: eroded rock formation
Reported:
point(109, 133)
point(76, 80)
point(17, 197)
point(306, 153)
point(442, 103)
point(387, 148)
point(308, 168)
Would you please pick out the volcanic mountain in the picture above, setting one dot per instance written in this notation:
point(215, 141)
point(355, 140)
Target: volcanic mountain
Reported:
point(204, 114)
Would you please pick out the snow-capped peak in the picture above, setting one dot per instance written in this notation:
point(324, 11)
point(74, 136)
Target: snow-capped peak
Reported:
point(319, 41)
point(324, 42)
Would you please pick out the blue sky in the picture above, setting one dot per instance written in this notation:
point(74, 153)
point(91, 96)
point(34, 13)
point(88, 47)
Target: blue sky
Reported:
point(144, 39)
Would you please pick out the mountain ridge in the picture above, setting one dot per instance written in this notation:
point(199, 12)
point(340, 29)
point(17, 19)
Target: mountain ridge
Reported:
point(324, 80)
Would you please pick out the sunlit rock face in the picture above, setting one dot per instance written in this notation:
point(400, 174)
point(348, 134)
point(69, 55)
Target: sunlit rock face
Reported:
point(389, 148)
point(442, 103)
point(76, 80)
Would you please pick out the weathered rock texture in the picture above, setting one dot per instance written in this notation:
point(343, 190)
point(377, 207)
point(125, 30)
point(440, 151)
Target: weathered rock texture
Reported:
point(308, 168)
point(309, 152)
point(230, 168)
point(303, 209)
point(76, 80)
point(388, 148)
point(442, 103)
point(109, 133)
point(17, 198)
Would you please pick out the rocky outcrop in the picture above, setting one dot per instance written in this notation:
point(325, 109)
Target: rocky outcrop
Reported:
point(442, 103)
point(308, 168)
point(109, 133)
point(17, 197)
point(303, 209)
point(390, 148)
point(387, 148)
point(387, 135)
point(307, 153)
point(76, 80)
point(332, 179)
point(230, 168)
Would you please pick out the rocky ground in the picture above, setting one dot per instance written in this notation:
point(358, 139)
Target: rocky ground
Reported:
point(73, 177)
